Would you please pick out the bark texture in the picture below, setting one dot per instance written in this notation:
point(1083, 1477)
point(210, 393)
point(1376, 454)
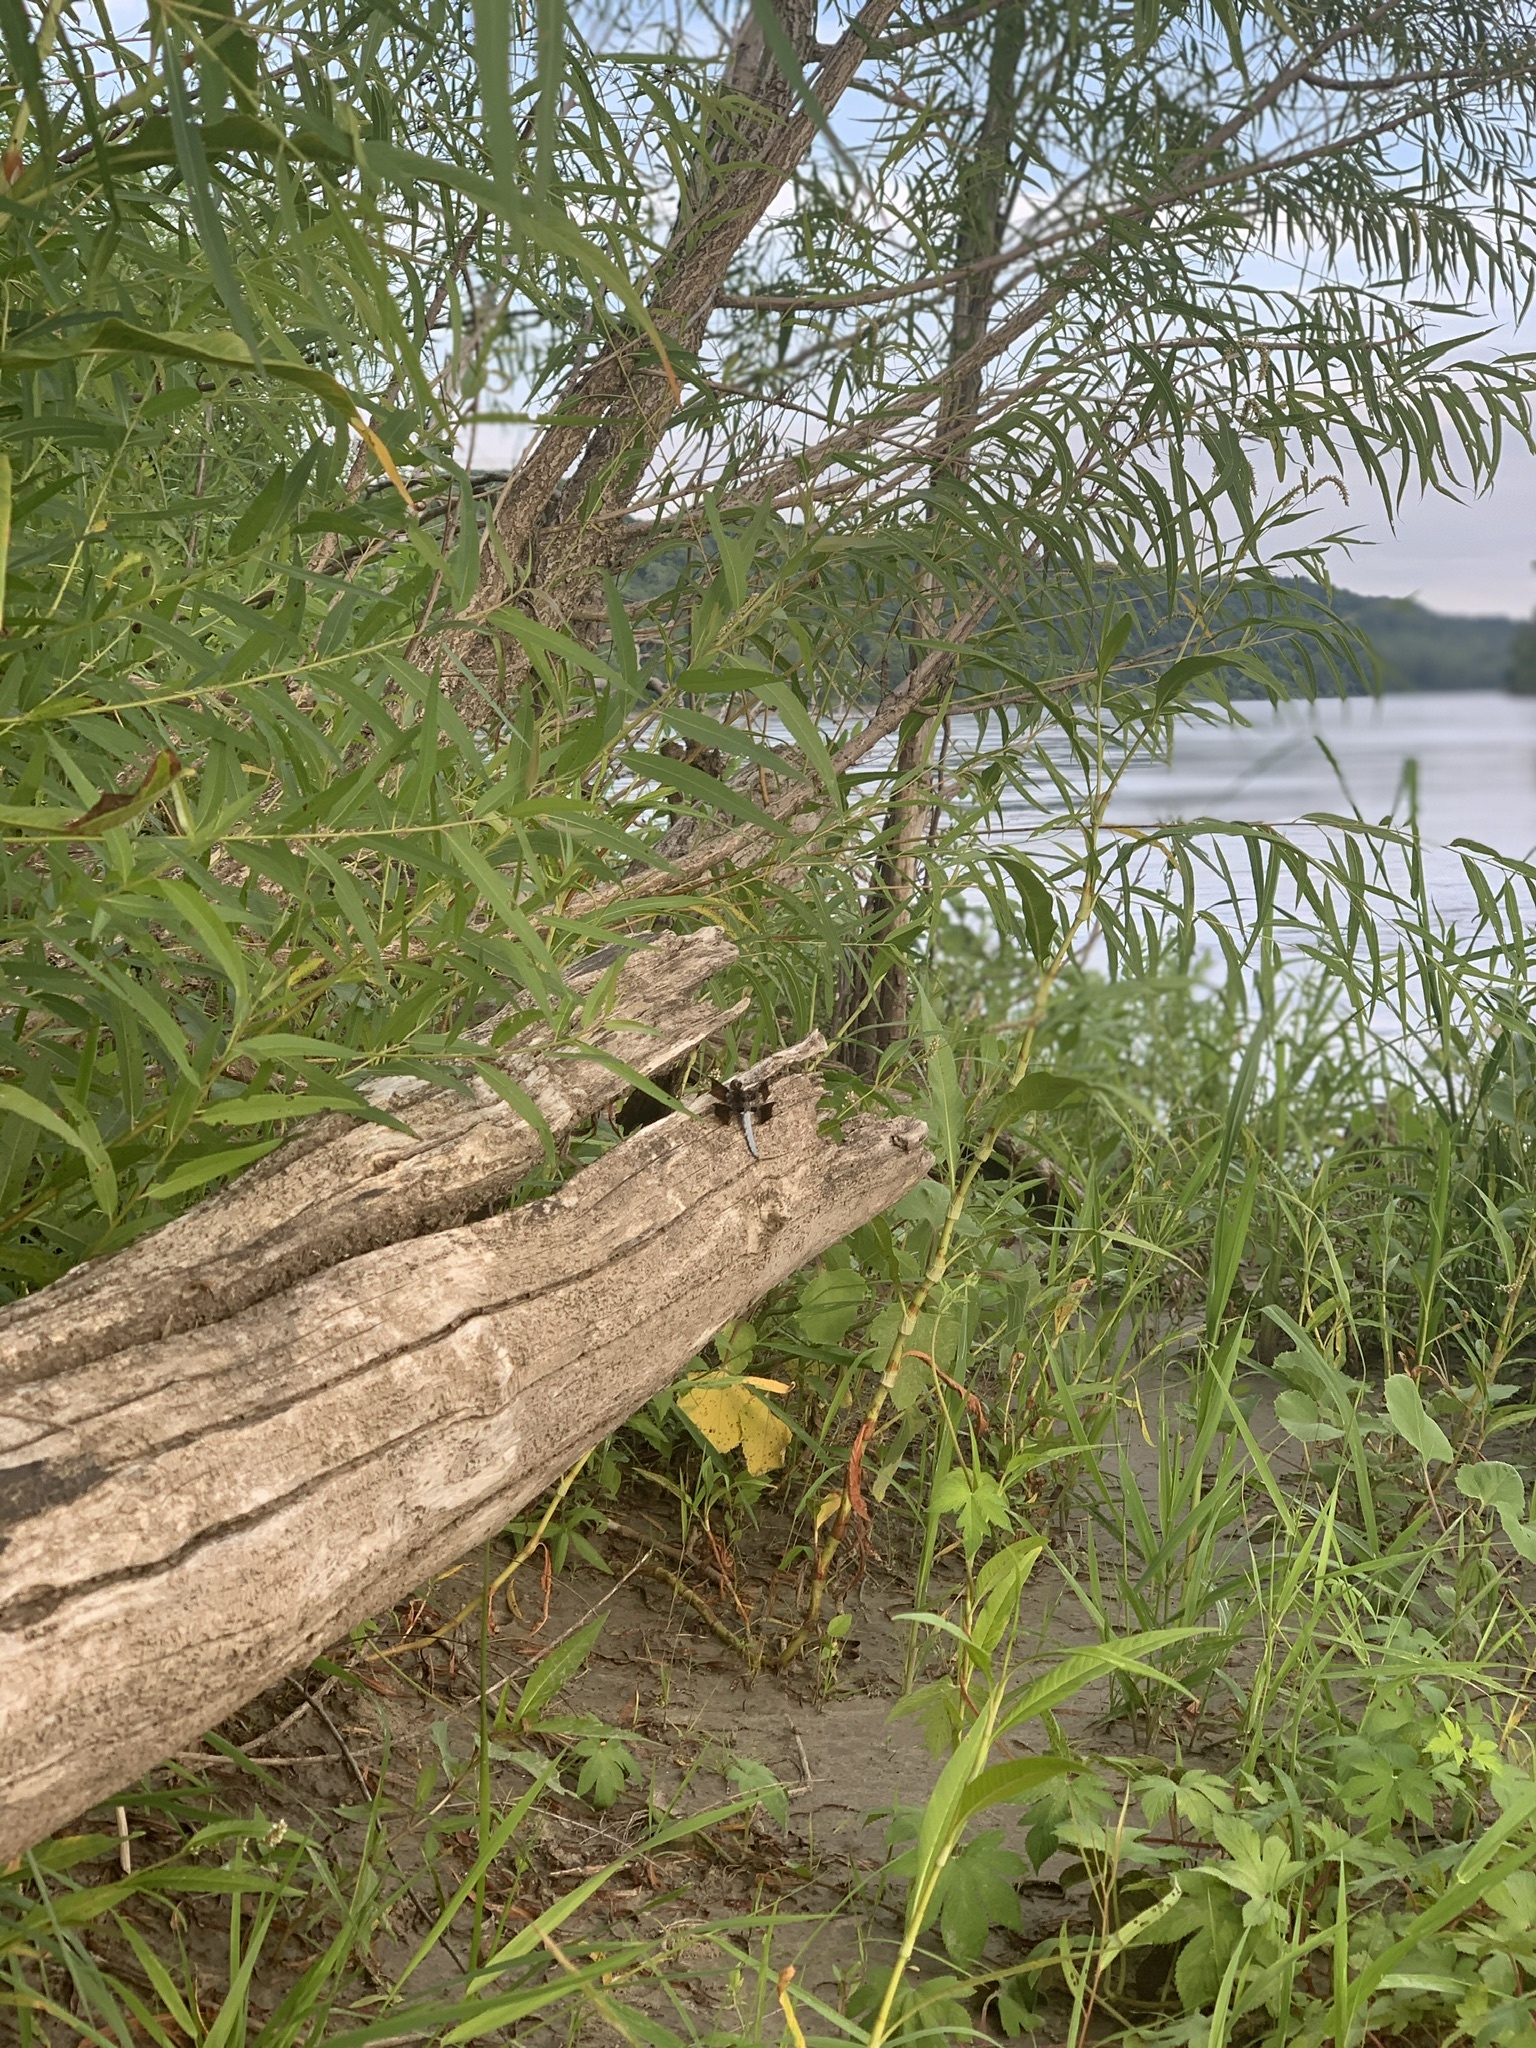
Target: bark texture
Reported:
point(346, 1187)
point(560, 516)
point(184, 1520)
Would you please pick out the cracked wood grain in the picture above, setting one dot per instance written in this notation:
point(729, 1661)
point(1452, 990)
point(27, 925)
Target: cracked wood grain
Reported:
point(347, 1187)
point(184, 1520)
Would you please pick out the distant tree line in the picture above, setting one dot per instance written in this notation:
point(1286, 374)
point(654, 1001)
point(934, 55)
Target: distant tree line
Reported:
point(1420, 649)
point(1520, 676)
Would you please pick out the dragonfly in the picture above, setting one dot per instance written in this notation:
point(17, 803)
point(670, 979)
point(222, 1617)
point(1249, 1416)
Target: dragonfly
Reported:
point(745, 1102)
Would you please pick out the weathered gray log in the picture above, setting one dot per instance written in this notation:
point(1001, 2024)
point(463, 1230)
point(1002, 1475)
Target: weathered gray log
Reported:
point(346, 1187)
point(183, 1521)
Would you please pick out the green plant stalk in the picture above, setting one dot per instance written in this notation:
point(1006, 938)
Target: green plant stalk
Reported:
point(46, 36)
point(5, 529)
point(981, 1736)
point(938, 1266)
point(942, 1452)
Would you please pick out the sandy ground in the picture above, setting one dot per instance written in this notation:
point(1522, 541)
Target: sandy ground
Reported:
point(396, 1713)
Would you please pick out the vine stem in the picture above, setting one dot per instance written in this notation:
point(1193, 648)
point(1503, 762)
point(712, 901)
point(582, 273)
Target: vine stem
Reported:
point(921, 1896)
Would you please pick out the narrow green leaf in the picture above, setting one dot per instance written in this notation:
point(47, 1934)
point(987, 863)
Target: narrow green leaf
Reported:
point(209, 1166)
point(217, 941)
point(1019, 1778)
point(193, 161)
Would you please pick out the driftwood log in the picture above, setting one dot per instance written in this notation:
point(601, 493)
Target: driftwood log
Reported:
point(206, 1478)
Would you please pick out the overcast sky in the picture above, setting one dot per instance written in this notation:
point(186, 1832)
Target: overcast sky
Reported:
point(1470, 557)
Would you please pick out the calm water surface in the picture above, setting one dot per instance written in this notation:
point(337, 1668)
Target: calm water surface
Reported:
point(1475, 753)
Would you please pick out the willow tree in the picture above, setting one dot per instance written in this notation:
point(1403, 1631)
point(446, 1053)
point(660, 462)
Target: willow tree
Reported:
point(841, 375)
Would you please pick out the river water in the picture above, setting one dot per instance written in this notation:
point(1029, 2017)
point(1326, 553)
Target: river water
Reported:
point(1475, 758)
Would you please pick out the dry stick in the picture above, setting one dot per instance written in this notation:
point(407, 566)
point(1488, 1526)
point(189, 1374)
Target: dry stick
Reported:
point(270, 1734)
point(341, 1743)
point(648, 1568)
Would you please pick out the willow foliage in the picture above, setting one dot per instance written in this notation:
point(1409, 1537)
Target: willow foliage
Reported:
point(468, 489)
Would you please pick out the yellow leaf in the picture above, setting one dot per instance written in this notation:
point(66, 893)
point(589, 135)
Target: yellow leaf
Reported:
point(828, 1509)
point(385, 460)
point(732, 1417)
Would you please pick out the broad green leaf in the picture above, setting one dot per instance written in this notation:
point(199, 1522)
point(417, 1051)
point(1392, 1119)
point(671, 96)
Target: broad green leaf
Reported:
point(1019, 1778)
point(1036, 1093)
point(748, 1775)
point(1413, 1421)
point(555, 1671)
point(944, 1111)
point(1493, 1484)
point(831, 1302)
point(1297, 1414)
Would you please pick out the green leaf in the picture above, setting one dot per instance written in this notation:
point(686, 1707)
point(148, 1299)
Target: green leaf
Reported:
point(1176, 678)
point(782, 697)
point(216, 348)
point(1413, 1422)
point(209, 1166)
point(831, 1302)
point(16, 1102)
point(944, 1111)
point(1203, 1958)
point(550, 26)
point(1493, 1484)
point(748, 1775)
point(1112, 638)
point(1297, 1414)
point(193, 160)
point(1036, 903)
point(286, 1045)
point(493, 52)
point(1068, 1677)
point(21, 52)
point(237, 1110)
point(607, 1767)
point(1006, 1783)
point(555, 1671)
point(978, 1504)
point(1034, 1094)
point(212, 934)
point(83, 1137)
point(535, 638)
point(517, 1098)
point(977, 1893)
